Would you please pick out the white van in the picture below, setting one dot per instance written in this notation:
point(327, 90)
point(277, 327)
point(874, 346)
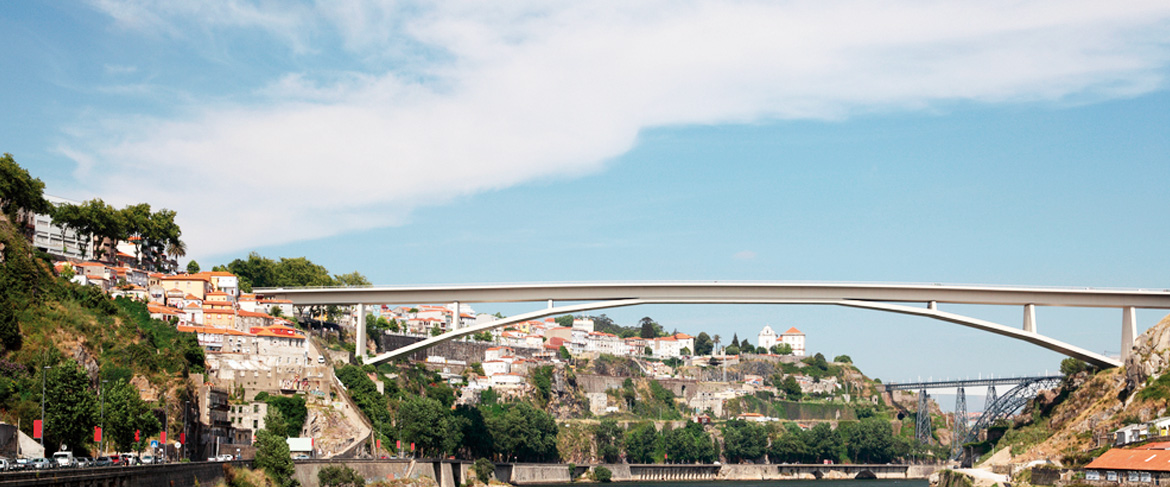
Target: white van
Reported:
point(64, 459)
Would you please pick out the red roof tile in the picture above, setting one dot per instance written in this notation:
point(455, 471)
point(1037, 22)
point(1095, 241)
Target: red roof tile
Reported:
point(1121, 459)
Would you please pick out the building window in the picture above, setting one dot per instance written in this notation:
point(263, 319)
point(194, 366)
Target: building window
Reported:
point(255, 425)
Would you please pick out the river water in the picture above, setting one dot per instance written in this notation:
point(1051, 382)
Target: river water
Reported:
point(776, 483)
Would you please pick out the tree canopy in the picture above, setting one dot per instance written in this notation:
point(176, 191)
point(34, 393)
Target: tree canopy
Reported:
point(19, 190)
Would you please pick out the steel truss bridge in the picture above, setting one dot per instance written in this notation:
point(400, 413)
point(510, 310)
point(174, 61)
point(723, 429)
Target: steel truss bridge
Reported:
point(996, 407)
point(911, 299)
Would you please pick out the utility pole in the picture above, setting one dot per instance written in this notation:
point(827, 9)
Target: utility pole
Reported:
point(44, 374)
point(102, 394)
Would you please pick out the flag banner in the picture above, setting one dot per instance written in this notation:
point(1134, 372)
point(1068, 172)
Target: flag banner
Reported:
point(37, 427)
point(97, 434)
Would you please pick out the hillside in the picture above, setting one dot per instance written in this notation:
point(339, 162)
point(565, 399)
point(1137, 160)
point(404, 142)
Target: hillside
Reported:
point(47, 321)
point(1071, 425)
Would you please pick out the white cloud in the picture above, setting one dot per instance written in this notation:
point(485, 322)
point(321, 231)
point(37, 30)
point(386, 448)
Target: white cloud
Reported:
point(744, 255)
point(514, 92)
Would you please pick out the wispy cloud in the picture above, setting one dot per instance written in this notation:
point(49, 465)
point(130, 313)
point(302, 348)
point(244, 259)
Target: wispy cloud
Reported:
point(490, 95)
point(744, 255)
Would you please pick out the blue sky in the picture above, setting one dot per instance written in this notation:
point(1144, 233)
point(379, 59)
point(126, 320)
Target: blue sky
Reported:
point(1003, 143)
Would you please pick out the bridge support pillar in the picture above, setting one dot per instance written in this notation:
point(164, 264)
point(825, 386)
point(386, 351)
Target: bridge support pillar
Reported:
point(1128, 331)
point(455, 314)
point(1030, 318)
point(360, 346)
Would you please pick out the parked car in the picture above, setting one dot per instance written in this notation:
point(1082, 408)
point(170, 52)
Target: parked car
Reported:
point(147, 459)
point(130, 459)
point(226, 457)
point(64, 459)
point(5, 465)
point(83, 462)
point(103, 462)
point(41, 464)
point(21, 464)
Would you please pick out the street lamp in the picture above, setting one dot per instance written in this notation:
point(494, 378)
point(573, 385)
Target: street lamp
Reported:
point(44, 374)
point(102, 393)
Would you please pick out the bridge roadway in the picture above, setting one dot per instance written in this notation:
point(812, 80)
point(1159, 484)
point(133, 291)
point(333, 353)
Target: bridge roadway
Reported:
point(875, 296)
point(952, 384)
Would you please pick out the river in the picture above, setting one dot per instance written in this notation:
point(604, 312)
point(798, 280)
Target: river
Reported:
point(774, 483)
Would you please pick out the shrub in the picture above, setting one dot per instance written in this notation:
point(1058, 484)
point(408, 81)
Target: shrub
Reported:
point(483, 470)
point(602, 474)
point(339, 476)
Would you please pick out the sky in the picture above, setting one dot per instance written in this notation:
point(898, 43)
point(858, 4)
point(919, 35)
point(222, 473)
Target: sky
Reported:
point(1005, 142)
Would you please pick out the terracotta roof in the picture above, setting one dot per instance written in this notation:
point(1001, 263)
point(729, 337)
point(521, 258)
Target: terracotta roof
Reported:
point(793, 331)
point(1121, 459)
point(212, 330)
point(186, 277)
point(220, 311)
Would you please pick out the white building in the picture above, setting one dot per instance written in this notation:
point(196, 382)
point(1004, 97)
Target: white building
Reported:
point(795, 339)
point(583, 324)
point(673, 346)
point(493, 367)
point(57, 241)
point(605, 343)
point(766, 338)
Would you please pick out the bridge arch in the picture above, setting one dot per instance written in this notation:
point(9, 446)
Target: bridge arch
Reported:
point(928, 312)
point(865, 475)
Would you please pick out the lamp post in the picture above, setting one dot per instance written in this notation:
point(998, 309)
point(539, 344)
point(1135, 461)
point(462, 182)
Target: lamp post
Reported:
point(102, 394)
point(44, 373)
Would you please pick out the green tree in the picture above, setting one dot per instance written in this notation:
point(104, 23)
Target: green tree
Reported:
point(563, 353)
point(734, 340)
point(871, 441)
point(429, 425)
point(272, 453)
point(744, 441)
point(339, 476)
point(782, 349)
point(19, 190)
point(731, 350)
point(641, 442)
point(610, 440)
point(484, 470)
point(791, 388)
point(703, 344)
point(602, 474)
point(192, 267)
point(1071, 366)
point(565, 321)
point(649, 329)
point(689, 444)
point(292, 410)
point(789, 447)
point(71, 408)
point(127, 413)
point(10, 336)
point(353, 279)
point(525, 433)
point(843, 359)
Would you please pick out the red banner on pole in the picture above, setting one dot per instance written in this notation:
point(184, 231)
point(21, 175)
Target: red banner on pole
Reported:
point(136, 435)
point(97, 434)
point(37, 428)
point(163, 439)
point(183, 438)
point(397, 444)
point(379, 443)
point(412, 446)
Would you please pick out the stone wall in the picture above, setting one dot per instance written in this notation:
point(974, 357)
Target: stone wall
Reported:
point(469, 352)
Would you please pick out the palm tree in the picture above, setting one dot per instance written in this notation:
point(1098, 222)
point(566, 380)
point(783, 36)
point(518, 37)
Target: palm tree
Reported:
point(176, 248)
point(716, 340)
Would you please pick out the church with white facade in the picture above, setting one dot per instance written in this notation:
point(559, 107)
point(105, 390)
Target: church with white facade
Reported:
point(793, 337)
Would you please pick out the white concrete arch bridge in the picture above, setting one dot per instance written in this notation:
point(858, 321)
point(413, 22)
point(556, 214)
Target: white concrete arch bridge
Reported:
point(894, 298)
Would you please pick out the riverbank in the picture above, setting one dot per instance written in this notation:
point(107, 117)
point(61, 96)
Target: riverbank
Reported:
point(452, 473)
